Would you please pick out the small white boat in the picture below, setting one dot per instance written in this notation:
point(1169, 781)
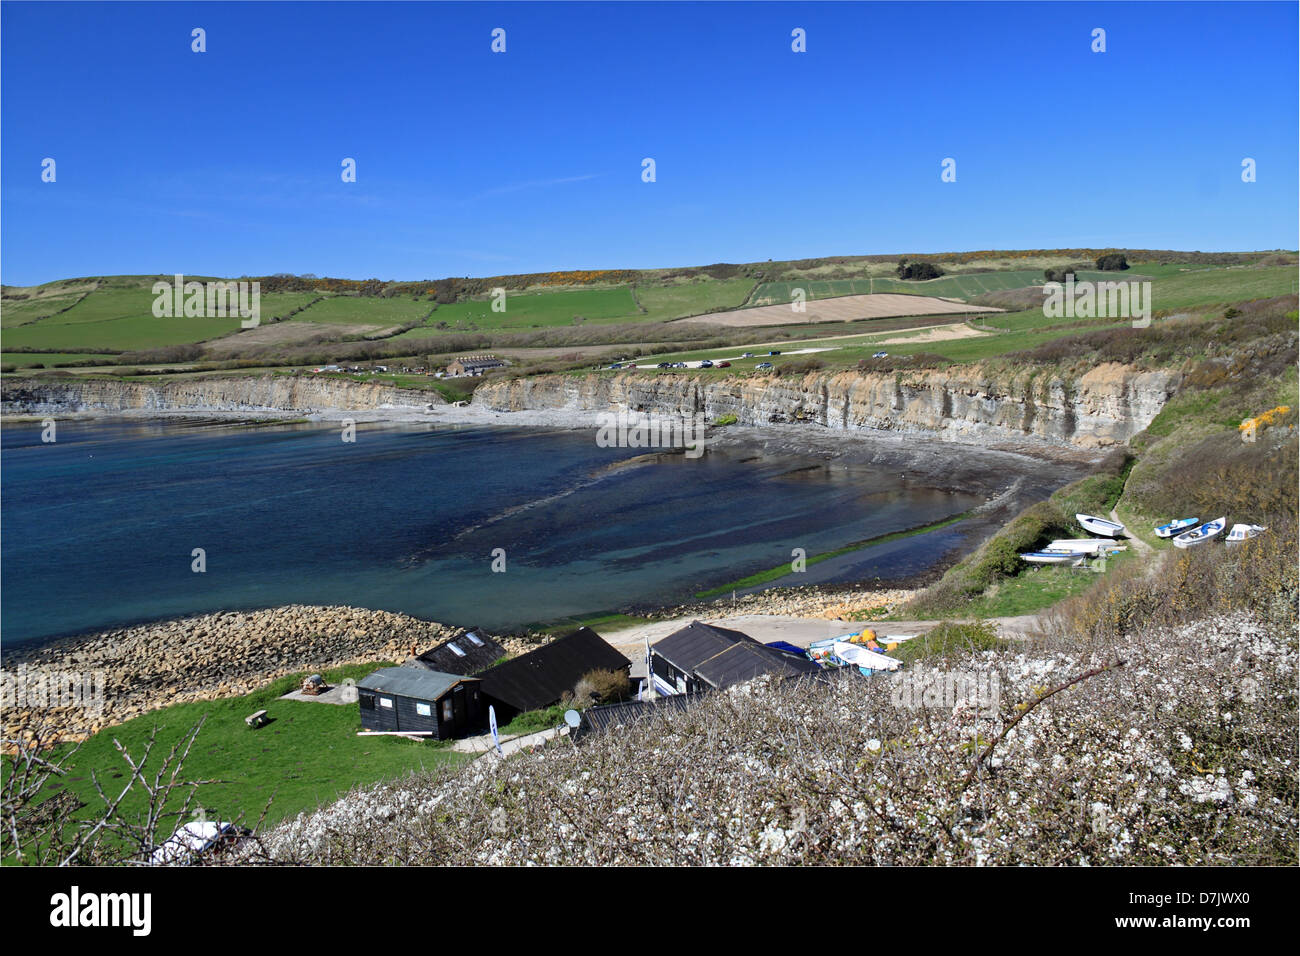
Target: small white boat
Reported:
point(1107, 529)
point(1244, 532)
point(1053, 557)
point(1200, 535)
point(1175, 527)
point(1083, 545)
point(864, 659)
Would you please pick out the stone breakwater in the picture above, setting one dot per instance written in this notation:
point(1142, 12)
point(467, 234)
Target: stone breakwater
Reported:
point(1107, 405)
point(265, 393)
point(211, 656)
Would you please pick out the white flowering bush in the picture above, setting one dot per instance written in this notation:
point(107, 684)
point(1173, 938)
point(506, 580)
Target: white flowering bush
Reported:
point(1175, 746)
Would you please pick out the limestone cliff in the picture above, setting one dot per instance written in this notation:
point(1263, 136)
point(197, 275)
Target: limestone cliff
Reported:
point(253, 393)
point(968, 403)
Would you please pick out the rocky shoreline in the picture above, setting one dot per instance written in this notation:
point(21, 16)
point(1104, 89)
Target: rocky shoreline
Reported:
point(145, 667)
point(204, 657)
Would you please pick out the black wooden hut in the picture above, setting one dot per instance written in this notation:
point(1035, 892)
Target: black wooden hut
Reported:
point(702, 657)
point(541, 677)
point(413, 700)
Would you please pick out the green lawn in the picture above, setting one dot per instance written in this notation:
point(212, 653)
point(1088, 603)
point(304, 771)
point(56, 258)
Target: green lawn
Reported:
point(308, 756)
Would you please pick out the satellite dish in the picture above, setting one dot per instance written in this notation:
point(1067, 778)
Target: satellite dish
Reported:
point(572, 718)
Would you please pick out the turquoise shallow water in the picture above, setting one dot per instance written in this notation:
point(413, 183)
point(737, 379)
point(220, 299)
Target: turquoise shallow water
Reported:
point(99, 527)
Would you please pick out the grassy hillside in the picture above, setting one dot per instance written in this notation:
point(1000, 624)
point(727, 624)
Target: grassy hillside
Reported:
point(1191, 461)
point(306, 757)
point(113, 314)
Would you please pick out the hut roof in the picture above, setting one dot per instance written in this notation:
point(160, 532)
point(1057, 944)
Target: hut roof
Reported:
point(411, 682)
point(466, 653)
point(540, 678)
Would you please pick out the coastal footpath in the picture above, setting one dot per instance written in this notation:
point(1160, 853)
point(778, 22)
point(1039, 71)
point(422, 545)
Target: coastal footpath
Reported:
point(1105, 406)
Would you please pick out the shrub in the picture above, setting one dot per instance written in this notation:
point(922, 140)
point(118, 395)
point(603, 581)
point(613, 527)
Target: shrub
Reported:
point(918, 271)
point(1259, 575)
point(602, 687)
point(1060, 274)
point(802, 367)
point(1112, 262)
point(948, 639)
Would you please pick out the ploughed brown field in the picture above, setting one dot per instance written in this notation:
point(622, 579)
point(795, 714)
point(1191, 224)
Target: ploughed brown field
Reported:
point(846, 308)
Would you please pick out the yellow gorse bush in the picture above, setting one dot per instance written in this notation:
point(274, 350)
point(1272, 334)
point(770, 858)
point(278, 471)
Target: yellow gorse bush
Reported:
point(1264, 419)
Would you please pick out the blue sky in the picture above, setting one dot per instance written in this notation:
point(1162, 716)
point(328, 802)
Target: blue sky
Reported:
point(474, 163)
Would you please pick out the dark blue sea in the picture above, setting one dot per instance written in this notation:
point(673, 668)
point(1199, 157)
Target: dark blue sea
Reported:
point(99, 527)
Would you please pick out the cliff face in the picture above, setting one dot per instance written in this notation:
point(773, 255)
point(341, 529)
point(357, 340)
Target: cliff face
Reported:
point(263, 393)
point(1106, 406)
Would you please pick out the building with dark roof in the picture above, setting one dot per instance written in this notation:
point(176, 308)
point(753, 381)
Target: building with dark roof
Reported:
point(466, 653)
point(541, 677)
point(474, 364)
point(607, 717)
point(414, 700)
point(701, 657)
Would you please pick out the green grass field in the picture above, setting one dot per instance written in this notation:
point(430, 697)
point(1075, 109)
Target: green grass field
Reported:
point(534, 310)
point(117, 314)
point(308, 756)
point(1036, 588)
point(356, 310)
point(49, 359)
point(1214, 286)
point(14, 313)
point(121, 317)
point(950, 287)
point(678, 301)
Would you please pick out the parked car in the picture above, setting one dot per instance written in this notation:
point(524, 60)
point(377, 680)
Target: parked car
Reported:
point(763, 365)
point(774, 352)
point(881, 355)
point(706, 364)
point(664, 365)
point(679, 365)
point(723, 365)
point(748, 355)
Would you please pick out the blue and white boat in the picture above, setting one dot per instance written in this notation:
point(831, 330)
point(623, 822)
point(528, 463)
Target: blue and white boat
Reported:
point(1200, 535)
point(1054, 557)
point(1175, 527)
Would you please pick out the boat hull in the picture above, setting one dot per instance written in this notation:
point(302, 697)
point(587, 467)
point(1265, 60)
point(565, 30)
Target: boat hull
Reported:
point(1048, 557)
point(1175, 527)
point(1099, 526)
point(1204, 533)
